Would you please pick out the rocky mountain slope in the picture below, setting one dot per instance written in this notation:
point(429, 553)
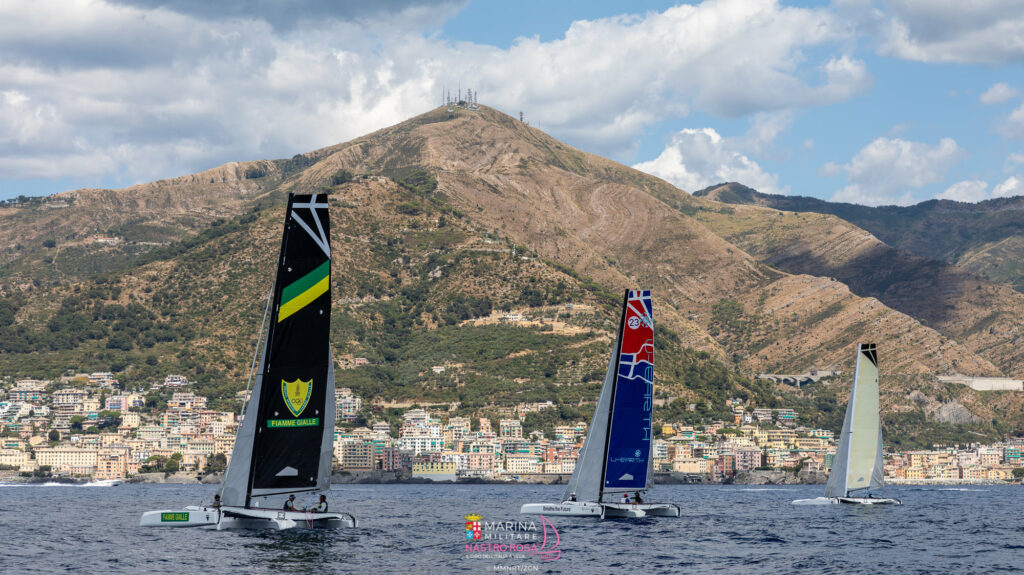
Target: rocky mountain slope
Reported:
point(986, 238)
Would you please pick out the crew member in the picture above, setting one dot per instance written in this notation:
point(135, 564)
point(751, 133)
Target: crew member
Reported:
point(321, 507)
point(625, 498)
point(637, 498)
point(216, 501)
point(289, 504)
point(572, 497)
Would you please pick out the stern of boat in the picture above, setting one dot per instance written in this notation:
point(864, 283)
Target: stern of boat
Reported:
point(188, 517)
point(564, 509)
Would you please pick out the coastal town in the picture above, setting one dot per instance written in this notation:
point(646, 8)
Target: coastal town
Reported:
point(86, 427)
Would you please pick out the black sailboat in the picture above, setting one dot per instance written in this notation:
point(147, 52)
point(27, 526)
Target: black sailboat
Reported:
point(285, 441)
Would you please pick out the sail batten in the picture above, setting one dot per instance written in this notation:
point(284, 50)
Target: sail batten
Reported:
point(858, 462)
point(286, 438)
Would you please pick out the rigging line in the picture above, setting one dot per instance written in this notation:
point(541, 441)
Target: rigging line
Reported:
point(252, 374)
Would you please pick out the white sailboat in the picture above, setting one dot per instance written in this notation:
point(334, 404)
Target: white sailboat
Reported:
point(285, 441)
point(616, 456)
point(858, 465)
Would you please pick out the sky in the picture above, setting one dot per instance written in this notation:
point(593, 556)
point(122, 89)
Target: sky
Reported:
point(873, 102)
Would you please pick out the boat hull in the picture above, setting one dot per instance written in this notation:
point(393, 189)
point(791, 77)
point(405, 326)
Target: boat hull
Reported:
point(601, 510)
point(566, 509)
point(868, 501)
point(257, 518)
point(242, 518)
point(848, 501)
point(188, 517)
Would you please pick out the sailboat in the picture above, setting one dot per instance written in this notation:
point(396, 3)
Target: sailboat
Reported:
point(616, 456)
point(858, 464)
point(285, 441)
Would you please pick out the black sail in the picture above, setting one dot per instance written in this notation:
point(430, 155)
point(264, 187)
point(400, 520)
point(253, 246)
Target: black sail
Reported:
point(293, 410)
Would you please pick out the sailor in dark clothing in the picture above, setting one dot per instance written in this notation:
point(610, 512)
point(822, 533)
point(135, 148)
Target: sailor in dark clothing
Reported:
point(321, 507)
point(637, 498)
point(216, 501)
point(289, 504)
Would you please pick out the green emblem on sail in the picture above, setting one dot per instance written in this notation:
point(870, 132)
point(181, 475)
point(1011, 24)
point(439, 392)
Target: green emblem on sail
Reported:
point(296, 394)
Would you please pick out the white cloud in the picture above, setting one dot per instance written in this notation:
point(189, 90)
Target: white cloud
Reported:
point(143, 89)
point(1013, 126)
point(966, 191)
point(977, 190)
point(1012, 186)
point(1013, 160)
point(998, 94)
point(886, 171)
point(698, 158)
point(987, 31)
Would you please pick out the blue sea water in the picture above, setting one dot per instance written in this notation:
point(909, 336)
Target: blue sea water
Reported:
point(410, 529)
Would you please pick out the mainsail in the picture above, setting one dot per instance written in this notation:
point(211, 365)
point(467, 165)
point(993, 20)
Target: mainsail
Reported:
point(858, 462)
point(284, 444)
point(616, 455)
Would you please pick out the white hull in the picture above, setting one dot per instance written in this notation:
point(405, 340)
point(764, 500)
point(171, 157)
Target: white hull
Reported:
point(601, 510)
point(190, 516)
point(242, 518)
point(104, 483)
point(848, 501)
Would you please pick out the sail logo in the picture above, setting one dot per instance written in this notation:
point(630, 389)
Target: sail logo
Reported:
point(474, 527)
point(296, 394)
point(634, 322)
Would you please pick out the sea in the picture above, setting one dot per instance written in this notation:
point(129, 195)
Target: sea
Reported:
point(406, 529)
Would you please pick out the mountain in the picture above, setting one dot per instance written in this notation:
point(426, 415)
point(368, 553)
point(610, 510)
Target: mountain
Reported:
point(986, 238)
point(984, 317)
point(443, 224)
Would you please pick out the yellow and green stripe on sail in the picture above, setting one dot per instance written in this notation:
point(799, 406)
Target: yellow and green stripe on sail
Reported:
point(304, 290)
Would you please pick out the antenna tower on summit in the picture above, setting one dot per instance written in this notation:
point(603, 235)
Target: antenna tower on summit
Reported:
point(468, 100)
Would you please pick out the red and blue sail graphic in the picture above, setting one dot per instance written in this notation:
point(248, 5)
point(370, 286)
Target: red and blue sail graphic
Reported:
point(629, 436)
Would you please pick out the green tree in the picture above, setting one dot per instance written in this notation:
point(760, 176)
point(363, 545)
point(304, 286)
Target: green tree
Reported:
point(216, 463)
point(173, 464)
point(54, 435)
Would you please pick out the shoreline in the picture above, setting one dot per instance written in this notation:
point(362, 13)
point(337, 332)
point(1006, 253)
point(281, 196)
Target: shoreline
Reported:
point(757, 477)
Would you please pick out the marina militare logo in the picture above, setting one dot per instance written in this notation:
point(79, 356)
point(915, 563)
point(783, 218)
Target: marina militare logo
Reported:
point(525, 538)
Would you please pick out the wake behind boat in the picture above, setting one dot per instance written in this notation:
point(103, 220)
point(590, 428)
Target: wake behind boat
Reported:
point(285, 442)
point(858, 464)
point(616, 456)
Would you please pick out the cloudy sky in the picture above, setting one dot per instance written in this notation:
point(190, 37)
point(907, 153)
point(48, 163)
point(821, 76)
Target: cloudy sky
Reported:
point(866, 101)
